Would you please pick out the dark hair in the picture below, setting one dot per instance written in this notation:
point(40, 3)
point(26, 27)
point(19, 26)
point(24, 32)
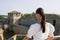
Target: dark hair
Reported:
point(40, 11)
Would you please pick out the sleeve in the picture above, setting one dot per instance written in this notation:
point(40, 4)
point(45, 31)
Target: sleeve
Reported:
point(52, 29)
point(32, 31)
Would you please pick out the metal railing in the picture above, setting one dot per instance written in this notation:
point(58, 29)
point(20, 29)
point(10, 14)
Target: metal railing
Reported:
point(15, 37)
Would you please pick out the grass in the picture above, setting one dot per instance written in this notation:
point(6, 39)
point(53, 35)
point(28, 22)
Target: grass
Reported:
point(20, 37)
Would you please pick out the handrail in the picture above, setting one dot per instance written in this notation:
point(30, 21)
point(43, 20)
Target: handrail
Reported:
point(15, 36)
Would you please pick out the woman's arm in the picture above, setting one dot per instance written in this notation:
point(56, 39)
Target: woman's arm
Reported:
point(26, 38)
point(50, 38)
point(51, 33)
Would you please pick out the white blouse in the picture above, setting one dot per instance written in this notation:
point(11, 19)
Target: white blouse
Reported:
point(36, 31)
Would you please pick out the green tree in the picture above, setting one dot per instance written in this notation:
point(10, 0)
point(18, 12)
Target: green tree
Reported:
point(1, 18)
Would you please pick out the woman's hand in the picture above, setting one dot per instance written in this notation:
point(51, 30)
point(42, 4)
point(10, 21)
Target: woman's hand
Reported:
point(26, 38)
point(50, 38)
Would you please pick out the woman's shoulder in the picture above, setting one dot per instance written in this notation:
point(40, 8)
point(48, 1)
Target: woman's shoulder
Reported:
point(52, 28)
point(47, 23)
point(35, 25)
point(50, 25)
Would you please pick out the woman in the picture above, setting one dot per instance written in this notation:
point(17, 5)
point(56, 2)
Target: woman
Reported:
point(41, 30)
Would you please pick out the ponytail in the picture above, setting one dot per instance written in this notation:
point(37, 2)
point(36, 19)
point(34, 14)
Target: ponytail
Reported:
point(41, 12)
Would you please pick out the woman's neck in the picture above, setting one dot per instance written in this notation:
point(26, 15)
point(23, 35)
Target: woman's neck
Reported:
point(38, 22)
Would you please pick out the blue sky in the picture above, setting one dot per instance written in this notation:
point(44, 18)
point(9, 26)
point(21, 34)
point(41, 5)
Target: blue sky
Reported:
point(29, 6)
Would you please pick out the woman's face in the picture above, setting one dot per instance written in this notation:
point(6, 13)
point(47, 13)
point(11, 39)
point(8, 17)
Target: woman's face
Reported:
point(38, 17)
